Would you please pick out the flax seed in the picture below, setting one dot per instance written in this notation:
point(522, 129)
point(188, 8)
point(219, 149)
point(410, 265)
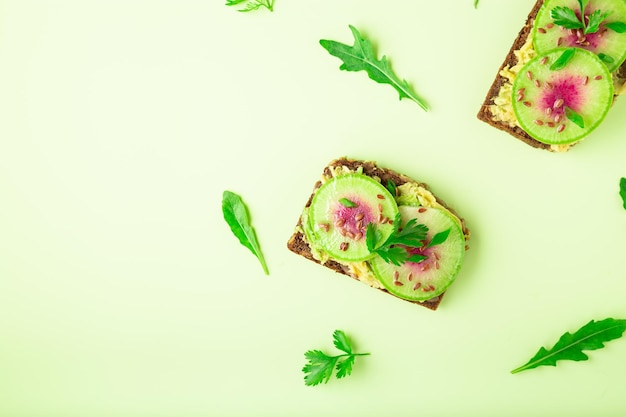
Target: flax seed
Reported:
point(544, 60)
point(537, 83)
point(340, 223)
point(559, 103)
point(585, 80)
point(541, 30)
point(358, 236)
point(560, 128)
point(324, 227)
point(380, 207)
point(551, 124)
point(350, 235)
point(398, 283)
point(550, 25)
point(520, 97)
point(559, 41)
point(359, 217)
point(528, 104)
point(538, 122)
point(529, 75)
point(548, 111)
point(380, 196)
point(557, 118)
point(597, 77)
point(359, 224)
point(417, 286)
point(421, 210)
point(410, 277)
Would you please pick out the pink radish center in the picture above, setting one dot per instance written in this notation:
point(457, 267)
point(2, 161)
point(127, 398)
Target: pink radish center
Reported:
point(563, 91)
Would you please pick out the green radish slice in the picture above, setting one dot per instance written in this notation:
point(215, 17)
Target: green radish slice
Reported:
point(605, 42)
point(340, 212)
point(426, 279)
point(561, 104)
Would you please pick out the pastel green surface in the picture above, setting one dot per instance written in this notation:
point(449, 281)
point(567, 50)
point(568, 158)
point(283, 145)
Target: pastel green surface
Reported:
point(123, 292)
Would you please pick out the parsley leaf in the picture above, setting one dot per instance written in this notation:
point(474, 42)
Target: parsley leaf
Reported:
point(475, 4)
point(595, 19)
point(570, 346)
point(566, 17)
point(251, 5)
point(395, 249)
point(319, 367)
point(236, 215)
point(361, 57)
point(622, 190)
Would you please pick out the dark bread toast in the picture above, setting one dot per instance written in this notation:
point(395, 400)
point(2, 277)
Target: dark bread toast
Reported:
point(298, 244)
point(485, 113)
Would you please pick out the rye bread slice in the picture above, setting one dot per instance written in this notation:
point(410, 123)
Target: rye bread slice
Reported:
point(298, 244)
point(510, 60)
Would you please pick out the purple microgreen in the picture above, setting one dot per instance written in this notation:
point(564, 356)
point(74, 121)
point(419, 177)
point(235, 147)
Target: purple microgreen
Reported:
point(439, 238)
point(622, 190)
point(566, 17)
point(562, 61)
point(619, 27)
point(595, 19)
point(347, 203)
point(574, 117)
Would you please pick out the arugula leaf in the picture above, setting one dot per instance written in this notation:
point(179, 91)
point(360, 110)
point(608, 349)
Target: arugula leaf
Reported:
point(236, 215)
point(622, 190)
point(562, 61)
point(566, 17)
point(361, 57)
point(595, 19)
point(320, 365)
point(571, 346)
point(619, 27)
point(576, 118)
point(251, 5)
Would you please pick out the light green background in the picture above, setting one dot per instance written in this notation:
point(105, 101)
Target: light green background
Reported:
point(123, 292)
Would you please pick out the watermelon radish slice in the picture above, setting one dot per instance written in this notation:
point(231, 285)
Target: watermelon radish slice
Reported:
point(560, 97)
point(420, 281)
point(608, 41)
point(340, 212)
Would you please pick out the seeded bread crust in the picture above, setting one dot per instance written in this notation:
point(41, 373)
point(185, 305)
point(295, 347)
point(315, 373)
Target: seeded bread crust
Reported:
point(485, 113)
point(298, 244)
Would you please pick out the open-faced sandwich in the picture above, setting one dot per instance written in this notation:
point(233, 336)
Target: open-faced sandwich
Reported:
point(562, 73)
point(384, 229)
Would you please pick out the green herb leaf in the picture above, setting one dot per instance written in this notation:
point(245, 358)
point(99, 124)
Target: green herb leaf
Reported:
point(607, 59)
point(320, 365)
point(347, 203)
point(583, 6)
point(571, 346)
point(236, 215)
point(412, 235)
point(251, 5)
point(595, 19)
point(562, 61)
point(576, 118)
point(341, 342)
point(344, 366)
point(392, 187)
point(475, 4)
point(416, 258)
point(619, 27)
point(319, 368)
point(566, 17)
point(622, 190)
point(361, 57)
point(439, 238)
